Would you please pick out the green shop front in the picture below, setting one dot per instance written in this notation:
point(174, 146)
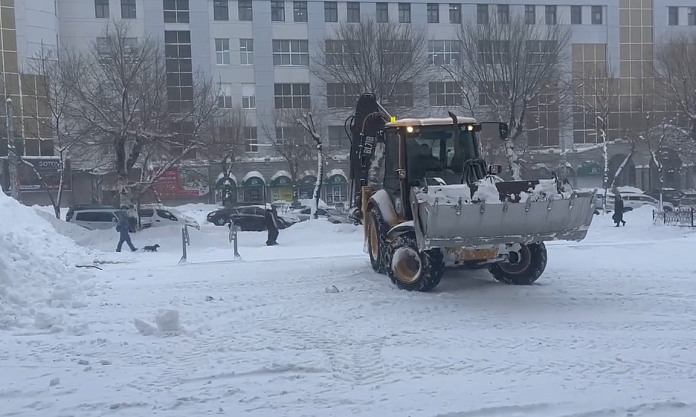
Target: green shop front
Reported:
point(336, 187)
point(281, 186)
point(253, 187)
point(305, 185)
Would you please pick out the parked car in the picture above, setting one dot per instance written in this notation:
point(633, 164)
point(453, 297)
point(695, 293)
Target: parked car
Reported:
point(155, 217)
point(634, 200)
point(93, 217)
point(669, 195)
point(688, 200)
point(247, 218)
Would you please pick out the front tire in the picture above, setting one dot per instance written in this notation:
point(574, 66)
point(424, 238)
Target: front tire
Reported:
point(412, 269)
point(526, 270)
point(377, 230)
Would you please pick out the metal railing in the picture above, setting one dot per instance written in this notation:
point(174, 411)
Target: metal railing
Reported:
point(185, 241)
point(683, 217)
point(234, 238)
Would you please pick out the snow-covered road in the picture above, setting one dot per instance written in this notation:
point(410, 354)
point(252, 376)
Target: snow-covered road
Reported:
point(608, 331)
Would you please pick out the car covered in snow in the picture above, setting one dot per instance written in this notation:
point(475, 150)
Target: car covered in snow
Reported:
point(333, 215)
point(94, 217)
point(634, 200)
point(159, 216)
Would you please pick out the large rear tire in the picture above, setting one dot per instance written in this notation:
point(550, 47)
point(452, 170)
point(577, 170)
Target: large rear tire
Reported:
point(377, 230)
point(414, 270)
point(526, 270)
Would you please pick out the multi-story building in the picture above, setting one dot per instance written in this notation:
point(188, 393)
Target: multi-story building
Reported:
point(261, 53)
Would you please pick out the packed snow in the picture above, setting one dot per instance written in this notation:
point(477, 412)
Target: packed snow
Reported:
point(446, 194)
point(487, 191)
point(306, 328)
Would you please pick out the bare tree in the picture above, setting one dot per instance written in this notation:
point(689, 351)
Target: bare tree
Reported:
point(675, 67)
point(516, 69)
point(122, 101)
point(226, 143)
point(595, 90)
point(307, 123)
point(291, 141)
point(385, 59)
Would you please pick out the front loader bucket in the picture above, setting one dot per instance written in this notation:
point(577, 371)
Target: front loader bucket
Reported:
point(446, 223)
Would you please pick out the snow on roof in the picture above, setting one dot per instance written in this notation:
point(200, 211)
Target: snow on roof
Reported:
point(252, 174)
point(433, 121)
point(230, 176)
point(337, 171)
point(281, 173)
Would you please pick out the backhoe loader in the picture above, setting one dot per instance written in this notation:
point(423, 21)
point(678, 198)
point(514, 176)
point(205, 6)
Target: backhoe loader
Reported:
point(427, 201)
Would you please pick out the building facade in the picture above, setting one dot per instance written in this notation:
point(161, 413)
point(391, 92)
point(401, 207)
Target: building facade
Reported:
point(261, 53)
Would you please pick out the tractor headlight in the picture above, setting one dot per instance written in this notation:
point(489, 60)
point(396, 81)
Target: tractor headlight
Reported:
point(409, 129)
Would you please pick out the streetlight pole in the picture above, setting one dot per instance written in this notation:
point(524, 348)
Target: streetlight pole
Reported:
point(12, 150)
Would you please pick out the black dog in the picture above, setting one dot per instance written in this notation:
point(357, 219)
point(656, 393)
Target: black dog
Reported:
point(152, 248)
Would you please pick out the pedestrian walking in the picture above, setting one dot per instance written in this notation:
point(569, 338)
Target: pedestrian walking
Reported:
point(617, 217)
point(123, 229)
point(271, 221)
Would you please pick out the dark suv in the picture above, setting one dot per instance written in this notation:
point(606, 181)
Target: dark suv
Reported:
point(247, 218)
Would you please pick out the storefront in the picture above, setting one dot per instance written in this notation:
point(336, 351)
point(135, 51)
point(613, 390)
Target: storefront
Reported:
point(281, 186)
point(336, 189)
point(183, 184)
point(590, 175)
point(225, 189)
point(305, 186)
point(253, 187)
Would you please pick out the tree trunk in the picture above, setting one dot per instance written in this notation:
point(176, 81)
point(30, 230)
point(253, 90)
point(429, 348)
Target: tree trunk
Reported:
point(320, 178)
point(513, 161)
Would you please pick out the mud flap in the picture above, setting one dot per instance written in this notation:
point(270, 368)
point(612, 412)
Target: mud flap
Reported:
point(442, 225)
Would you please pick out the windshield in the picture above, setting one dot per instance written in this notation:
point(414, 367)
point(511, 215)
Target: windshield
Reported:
point(433, 152)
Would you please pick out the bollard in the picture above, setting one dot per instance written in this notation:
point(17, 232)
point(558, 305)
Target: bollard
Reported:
point(233, 239)
point(185, 240)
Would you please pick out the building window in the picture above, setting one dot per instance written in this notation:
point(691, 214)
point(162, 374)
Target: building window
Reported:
point(246, 51)
point(493, 52)
point(342, 95)
point(692, 16)
point(336, 51)
point(482, 14)
point(433, 13)
point(402, 95)
point(245, 11)
point(177, 53)
point(597, 15)
point(291, 96)
point(277, 11)
point(404, 12)
point(290, 53)
point(455, 13)
point(539, 51)
point(353, 10)
point(248, 96)
point(530, 14)
point(443, 52)
point(673, 14)
point(550, 15)
point(490, 92)
point(128, 9)
point(446, 93)
point(222, 51)
point(299, 10)
point(330, 11)
point(576, 15)
point(221, 10)
point(503, 11)
point(101, 9)
point(382, 12)
point(225, 96)
point(337, 136)
point(251, 142)
point(176, 11)
point(288, 135)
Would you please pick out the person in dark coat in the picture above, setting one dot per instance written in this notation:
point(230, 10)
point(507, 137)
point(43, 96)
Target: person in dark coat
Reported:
point(123, 229)
point(271, 222)
point(618, 210)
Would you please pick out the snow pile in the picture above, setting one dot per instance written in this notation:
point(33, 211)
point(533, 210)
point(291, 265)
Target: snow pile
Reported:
point(446, 194)
point(319, 228)
point(487, 191)
point(38, 277)
point(71, 230)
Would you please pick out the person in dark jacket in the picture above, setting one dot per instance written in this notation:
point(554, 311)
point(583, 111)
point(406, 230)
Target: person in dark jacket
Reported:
point(618, 210)
point(271, 222)
point(123, 229)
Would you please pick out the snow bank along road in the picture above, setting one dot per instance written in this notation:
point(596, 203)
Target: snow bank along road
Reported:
point(607, 331)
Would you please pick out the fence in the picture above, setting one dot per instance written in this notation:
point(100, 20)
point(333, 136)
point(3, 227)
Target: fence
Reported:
point(683, 217)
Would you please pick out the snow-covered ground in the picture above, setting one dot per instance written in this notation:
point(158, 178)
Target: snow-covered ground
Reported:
point(607, 331)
